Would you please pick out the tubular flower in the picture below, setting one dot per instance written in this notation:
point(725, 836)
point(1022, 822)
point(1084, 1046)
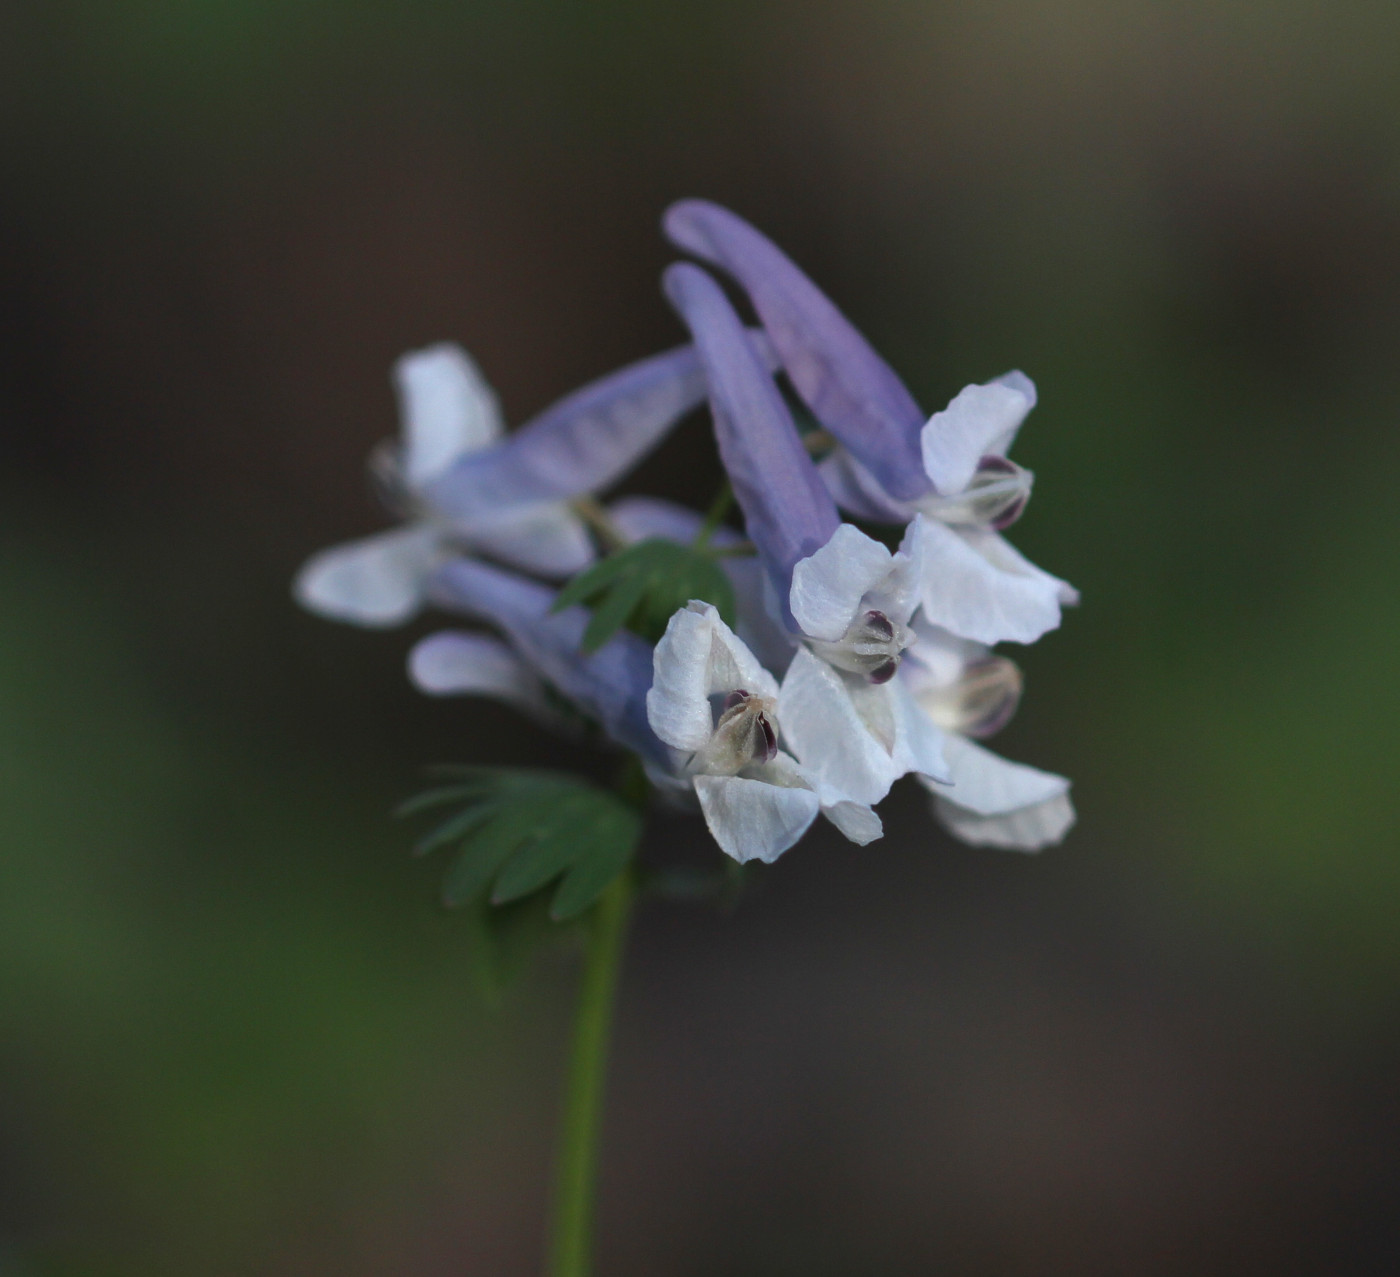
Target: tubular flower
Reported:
point(971, 692)
point(846, 599)
point(608, 686)
point(717, 708)
point(463, 485)
point(892, 464)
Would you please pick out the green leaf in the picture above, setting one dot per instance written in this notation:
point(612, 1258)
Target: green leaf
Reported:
point(588, 879)
point(521, 830)
point(643, 586)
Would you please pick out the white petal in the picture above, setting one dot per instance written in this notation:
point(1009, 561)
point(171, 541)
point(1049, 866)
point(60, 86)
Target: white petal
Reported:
point(986, 783)
point(752, 820)
point(821, 725)
point(827, 586)
point(550, 540)
point(377, 581)
point(981, 421)
point(977, 587)
point(857, 821)
point(1029, 829)
point(446, 408)
point(698, 657)
point(997, 803)
point(920, 745)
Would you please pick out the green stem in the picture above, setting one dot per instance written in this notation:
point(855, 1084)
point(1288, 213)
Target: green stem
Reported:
point(571, 1246)
point(715, 516)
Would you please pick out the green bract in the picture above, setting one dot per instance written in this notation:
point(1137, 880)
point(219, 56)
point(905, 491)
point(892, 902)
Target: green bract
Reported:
point(642, 586)
point(521, 830)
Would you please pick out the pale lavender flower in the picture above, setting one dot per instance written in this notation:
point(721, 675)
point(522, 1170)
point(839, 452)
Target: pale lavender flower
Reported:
point(893, 464)
point(843, 595)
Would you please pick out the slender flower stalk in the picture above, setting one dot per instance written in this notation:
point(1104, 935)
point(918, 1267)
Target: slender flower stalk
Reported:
point(571, 1237)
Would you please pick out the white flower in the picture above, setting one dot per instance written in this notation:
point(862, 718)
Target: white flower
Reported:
point(974, 582)
point(717, 707)
point(850, 721)
point(987, 801)
point(447, 412)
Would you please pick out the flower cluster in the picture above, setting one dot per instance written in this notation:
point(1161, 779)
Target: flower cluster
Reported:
point(796, 669)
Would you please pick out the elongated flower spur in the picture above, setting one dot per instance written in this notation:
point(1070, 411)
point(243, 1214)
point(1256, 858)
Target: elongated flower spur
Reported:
point(841, 662)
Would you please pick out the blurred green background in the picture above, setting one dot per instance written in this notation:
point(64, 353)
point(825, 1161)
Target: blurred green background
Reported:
point(238, 1036)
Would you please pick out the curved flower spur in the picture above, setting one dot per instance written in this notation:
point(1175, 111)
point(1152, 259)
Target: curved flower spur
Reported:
point(892, 463)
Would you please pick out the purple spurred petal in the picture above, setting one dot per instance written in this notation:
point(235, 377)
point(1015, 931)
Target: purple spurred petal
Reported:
point(580, 444)
point(852, 391)
point(787, 510)
point(610, 685)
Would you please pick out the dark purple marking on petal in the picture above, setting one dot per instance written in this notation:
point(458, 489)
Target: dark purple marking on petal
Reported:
point(767, 750)
point(878, 626)
point(852, 391)
point(885, 671)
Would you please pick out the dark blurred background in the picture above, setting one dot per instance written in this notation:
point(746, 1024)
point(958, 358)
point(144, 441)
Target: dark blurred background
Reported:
point(237, 1033)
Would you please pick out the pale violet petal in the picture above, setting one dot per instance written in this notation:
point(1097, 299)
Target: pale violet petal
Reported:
point(585, 441)
point(760, 625)
point(753, 820)
point(550, 540)
point(699, 656)
point(446, 408)
point(821, 725)
point(977, 587)
point(980, 421)
point(788, 512)
point(454, 663)
point(827, 586)
point(850, 389)
point(856, 491)
point(377, 581)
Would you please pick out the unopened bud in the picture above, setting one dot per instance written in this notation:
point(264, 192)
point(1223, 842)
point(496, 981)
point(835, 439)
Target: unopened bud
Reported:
point(981, 701)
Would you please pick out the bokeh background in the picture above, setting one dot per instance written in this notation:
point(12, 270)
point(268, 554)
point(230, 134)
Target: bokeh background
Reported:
point(238, 1035)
